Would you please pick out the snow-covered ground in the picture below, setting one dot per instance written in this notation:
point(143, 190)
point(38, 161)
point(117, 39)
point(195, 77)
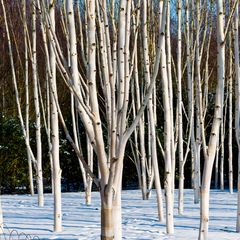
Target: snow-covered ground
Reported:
point(139, 217)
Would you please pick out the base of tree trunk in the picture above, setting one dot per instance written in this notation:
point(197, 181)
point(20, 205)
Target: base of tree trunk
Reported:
point(88, 198)
point(58, 229)
point(106, 224)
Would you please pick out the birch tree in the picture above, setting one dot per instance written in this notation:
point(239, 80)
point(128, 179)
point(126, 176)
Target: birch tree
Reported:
point(37, 108)
point(151, 114)
point(198, 88)
point(167, 146)
point(180, 127)
point(230, 117)
point(190, 87)
point(87, 180)
point(119, 71)
point(209, 154)
point(54, 127)
point(27, 96)
point(170, 86)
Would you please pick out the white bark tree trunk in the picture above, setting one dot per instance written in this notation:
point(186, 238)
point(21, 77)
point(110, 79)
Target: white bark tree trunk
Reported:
point(222, 134)
point(30, 172)
point(199, 123)
point(37, 109)
point(167, 146)
point(179, 104)
point(152, 127)
point(141, 135)
point(230, 118)
point(217, 166)
point(77, 142)
point(55, 128)
point(85, 176)
point(170, 86)
point(214, 136)
point(190, 82)
point(88, 190)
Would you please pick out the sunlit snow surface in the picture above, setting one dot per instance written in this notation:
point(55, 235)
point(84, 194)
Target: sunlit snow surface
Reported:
point(139, 217)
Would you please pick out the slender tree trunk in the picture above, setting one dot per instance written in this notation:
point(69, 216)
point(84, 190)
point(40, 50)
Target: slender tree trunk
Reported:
point(222, 155)
point(214, 136)
point(180, 127)
point(30, 172)
point(152, 130)
point(37, 108)
point(76, 140)
point(135, 144)
point(55, 129)
point(49, 128)
point(170, 86)
point(199, 123)
point(141, 134)
point(85, 176)
point(88, 190)
point(217, 166)
point(191, 105)
point(230, 119)
point(167, 143)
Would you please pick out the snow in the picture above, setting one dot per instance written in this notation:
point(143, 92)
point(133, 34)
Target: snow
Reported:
point(22, 215)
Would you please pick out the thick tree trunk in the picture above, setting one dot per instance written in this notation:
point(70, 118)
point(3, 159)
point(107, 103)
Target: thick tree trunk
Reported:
point(111, 213)
point(204, 209)
point(117, 213)
point(107, 230)
point(111, 219)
